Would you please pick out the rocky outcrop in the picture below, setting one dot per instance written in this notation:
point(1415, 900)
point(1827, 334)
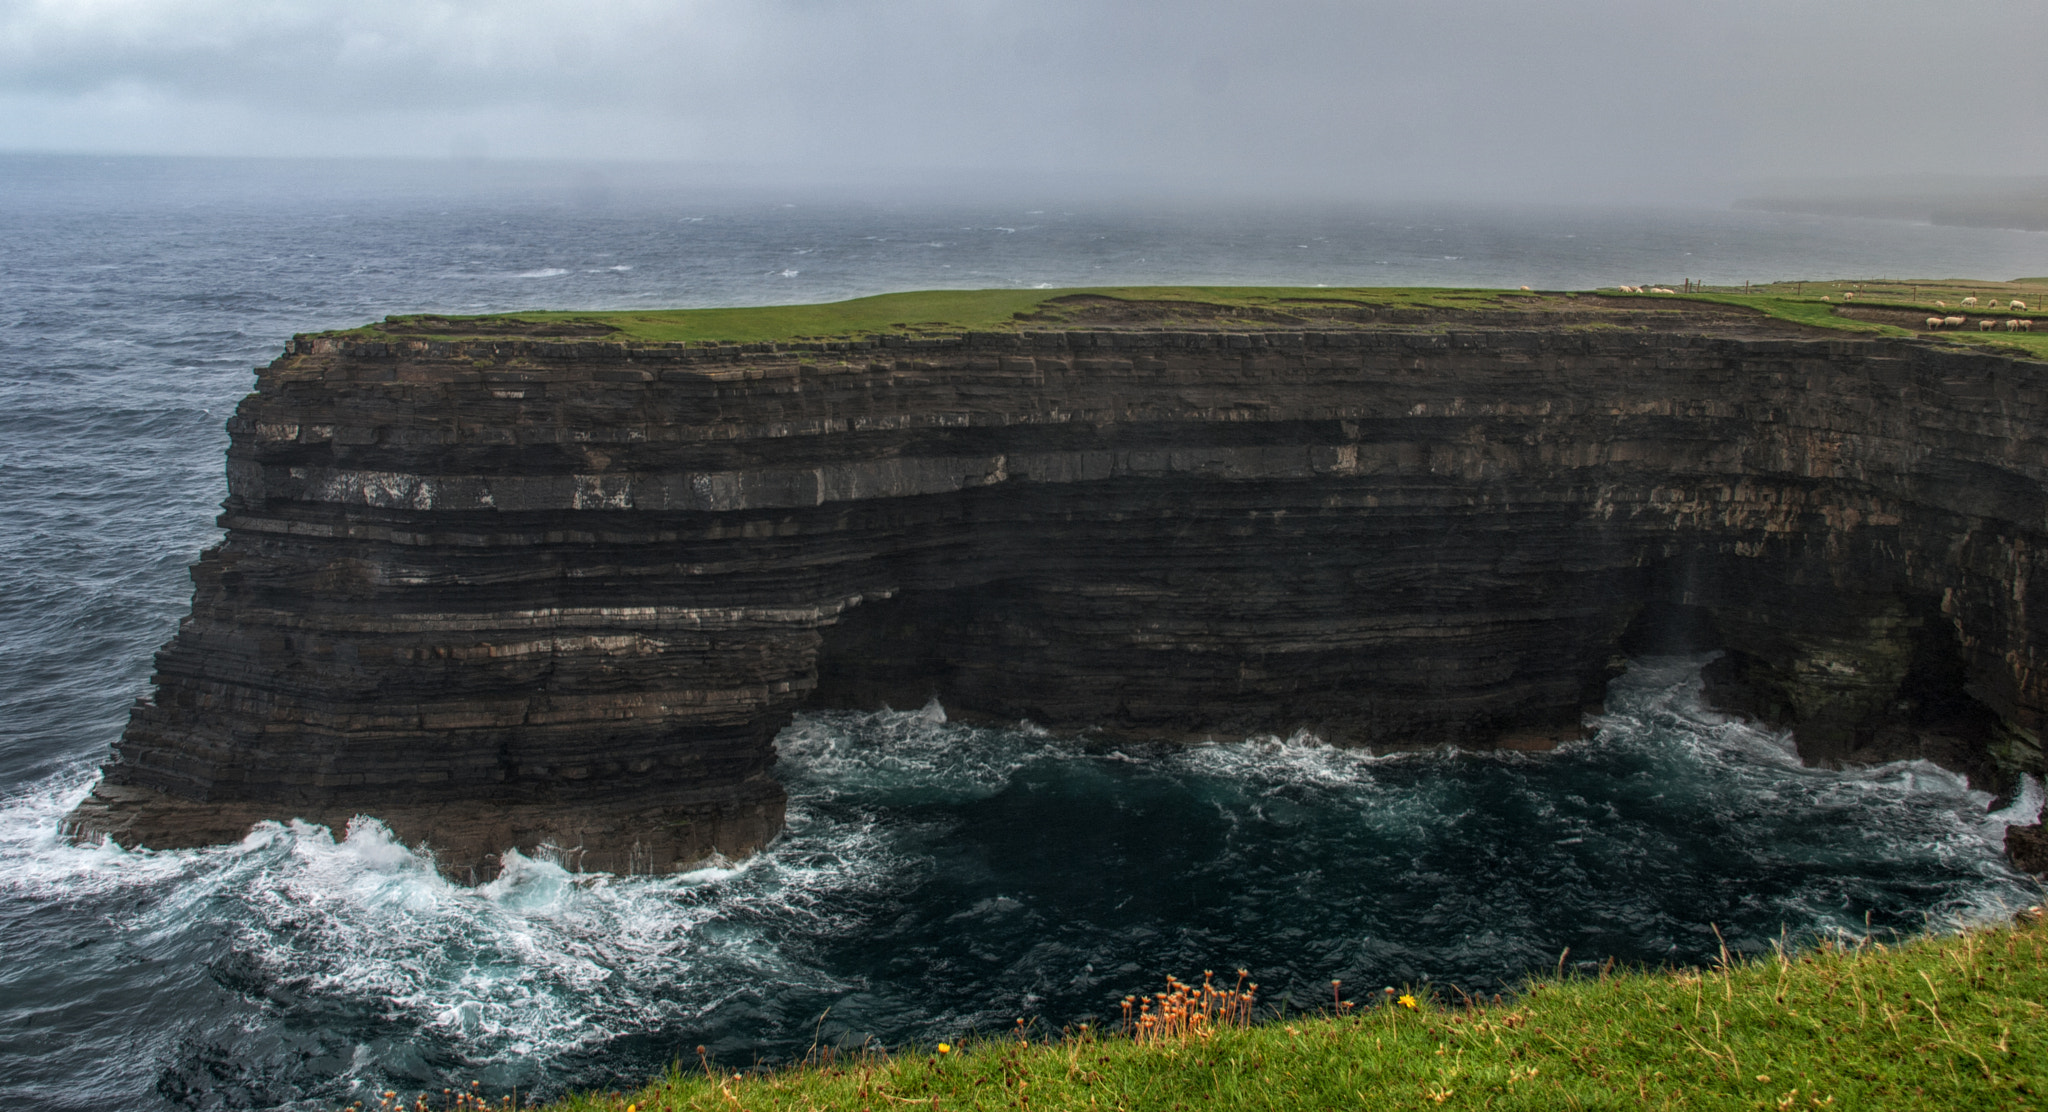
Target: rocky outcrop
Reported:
point(519, 592)
point(2027, 846)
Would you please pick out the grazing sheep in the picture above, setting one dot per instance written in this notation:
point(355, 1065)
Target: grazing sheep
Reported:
point(2012, 326)
point(1953, 322)
point(1525, 287)
point(1826, 298)
point(1933, 323)
point(1941, 304)
point(1661, 289)
point(1986, 325)
point(1848, 297)
point(1969, 302)
point(2026, 326)
point(2017, 304)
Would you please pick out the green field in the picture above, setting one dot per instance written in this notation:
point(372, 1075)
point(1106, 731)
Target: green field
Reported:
point(926, 311)
point(1822, 304)
point(952, 312)
point(1939, 1023)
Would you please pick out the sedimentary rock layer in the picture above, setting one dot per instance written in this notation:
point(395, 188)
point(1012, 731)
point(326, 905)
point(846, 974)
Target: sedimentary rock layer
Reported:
point(514, 593)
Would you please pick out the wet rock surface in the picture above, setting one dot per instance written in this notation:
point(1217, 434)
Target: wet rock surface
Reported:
point(526, 592)
point(2027, 846)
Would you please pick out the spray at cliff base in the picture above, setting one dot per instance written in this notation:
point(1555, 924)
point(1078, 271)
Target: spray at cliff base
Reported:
point(938, 880)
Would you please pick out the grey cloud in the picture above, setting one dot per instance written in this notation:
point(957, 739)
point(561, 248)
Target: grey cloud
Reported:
point(1490, 97)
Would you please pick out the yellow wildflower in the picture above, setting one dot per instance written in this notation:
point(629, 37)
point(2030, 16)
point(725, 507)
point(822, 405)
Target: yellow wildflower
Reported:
point(945, 1048)
point(1407, 1001)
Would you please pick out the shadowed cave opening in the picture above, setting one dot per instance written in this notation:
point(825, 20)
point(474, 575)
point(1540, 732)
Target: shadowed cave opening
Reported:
point(1862, 679)
point(1859, 677)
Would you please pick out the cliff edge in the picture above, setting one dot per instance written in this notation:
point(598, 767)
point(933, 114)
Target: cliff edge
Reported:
point(521, 590)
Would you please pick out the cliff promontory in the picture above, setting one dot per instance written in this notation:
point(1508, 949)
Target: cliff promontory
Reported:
point(502, 589)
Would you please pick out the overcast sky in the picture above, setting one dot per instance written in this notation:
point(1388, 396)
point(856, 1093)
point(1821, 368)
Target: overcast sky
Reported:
point(1492, 99)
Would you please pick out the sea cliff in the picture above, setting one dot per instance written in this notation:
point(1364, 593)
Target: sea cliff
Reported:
point(527, 591)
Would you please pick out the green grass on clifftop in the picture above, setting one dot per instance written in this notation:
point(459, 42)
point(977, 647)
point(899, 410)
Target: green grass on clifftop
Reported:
point(1878, 308)
point(1899, 306)
point(924, 311)
point(1939, 1023)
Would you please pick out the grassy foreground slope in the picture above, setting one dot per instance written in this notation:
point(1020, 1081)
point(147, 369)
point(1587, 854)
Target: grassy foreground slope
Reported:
point(1939, 1023)
point(1895, 308)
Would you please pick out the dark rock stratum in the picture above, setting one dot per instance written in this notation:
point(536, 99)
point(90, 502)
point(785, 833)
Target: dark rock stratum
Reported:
point(520, 592)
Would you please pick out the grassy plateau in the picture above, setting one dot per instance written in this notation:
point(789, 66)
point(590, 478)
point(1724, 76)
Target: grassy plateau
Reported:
point(940, 312)
point(1898, 306)
point(1874, 307)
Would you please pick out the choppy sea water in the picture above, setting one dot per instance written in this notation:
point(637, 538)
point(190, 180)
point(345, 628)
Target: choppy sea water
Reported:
point(935, 879)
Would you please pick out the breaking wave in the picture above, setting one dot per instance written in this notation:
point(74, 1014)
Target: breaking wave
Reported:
point(938, 878)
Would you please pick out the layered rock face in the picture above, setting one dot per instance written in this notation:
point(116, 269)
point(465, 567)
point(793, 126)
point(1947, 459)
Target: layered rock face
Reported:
point(525, 593)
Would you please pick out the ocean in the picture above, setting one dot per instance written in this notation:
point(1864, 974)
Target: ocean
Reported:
point(936, 880)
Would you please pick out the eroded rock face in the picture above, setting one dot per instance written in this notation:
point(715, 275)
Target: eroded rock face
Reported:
point(2028, 848)
point(514, 593)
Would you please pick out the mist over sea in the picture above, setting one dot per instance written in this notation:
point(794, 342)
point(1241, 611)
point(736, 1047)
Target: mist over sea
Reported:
point(936, 879)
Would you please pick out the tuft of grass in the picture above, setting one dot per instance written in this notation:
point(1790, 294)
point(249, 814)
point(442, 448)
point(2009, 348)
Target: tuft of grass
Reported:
point(1937, 1023)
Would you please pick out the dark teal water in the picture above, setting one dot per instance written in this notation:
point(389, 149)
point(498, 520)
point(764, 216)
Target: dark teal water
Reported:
point(935, 879)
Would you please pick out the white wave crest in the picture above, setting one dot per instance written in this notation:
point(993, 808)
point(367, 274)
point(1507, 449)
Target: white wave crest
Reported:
point(2024, 810)
point(1301, 758)
point(905, 755)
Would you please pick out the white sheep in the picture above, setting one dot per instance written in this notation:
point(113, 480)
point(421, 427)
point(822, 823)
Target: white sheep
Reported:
point(1662, 289)
point(2026, 326)
point(1848, 297)
point(1941, 304)
point(1953, 322)
point(2012, 326)
point(1826, 298)
point(1986, 325)
point(1933, 323)
point(1969, 303)
point(1525, 287)
point(2017, 304)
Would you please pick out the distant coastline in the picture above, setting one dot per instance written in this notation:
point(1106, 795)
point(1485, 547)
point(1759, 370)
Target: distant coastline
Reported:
point(2017, 204)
